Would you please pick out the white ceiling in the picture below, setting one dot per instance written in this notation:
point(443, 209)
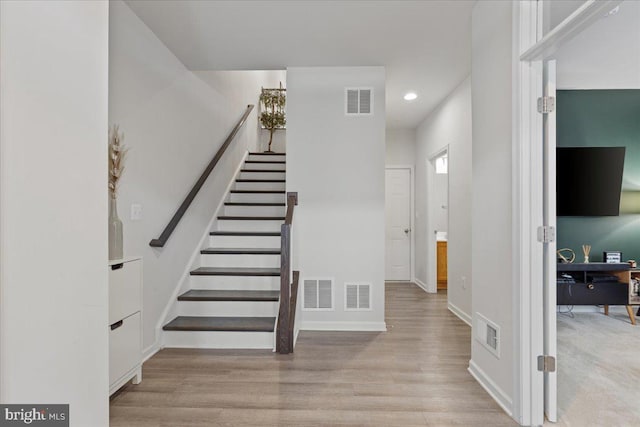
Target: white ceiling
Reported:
point(604, 56)
point(424, 45)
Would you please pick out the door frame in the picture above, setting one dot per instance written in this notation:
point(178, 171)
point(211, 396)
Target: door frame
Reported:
point(412, 210)
point(431, 251)
point(530, 50)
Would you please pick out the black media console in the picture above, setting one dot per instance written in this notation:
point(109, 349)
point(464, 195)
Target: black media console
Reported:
point(595, 283)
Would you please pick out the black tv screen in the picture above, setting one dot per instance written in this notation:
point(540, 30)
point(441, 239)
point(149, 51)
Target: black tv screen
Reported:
point(589, 180)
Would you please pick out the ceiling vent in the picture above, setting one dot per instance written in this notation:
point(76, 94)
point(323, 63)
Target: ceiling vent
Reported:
point(317, 295)
point(357, 296)
point(358, 101)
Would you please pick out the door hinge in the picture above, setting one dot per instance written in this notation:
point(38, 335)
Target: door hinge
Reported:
point(546, 234)
point(546, 104)
point(546, 364)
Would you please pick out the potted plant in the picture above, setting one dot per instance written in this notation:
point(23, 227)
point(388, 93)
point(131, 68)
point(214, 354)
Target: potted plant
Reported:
point(272, 116)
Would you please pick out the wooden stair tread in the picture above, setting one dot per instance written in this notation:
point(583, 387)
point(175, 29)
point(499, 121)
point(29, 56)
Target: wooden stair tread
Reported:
point(258, 191)
point(231, 324)
point(267, 154)
point(220, 295)
point(241, 251)
point(235, 271)
point(245, 233)
point(264, 170)
point(261, 180)
point(282, 162)
point(253, 204)
point(250, 218)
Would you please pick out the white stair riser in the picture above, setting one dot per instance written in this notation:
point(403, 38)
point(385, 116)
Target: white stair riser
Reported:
point(244, 241)
point(258, 186)
point(228, 308)
point(235, 340)
point(244, 260)
point(249, 225)
point(234, 283)
point(264, 165)
point(257, 197)
point(262, 175)
point(274, 158)
point(255, 210)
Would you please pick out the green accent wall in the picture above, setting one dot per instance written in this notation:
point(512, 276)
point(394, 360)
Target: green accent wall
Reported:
point(603, 118)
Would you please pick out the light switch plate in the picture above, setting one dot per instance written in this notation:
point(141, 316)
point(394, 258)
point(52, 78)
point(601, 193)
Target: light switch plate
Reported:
point(136, 212)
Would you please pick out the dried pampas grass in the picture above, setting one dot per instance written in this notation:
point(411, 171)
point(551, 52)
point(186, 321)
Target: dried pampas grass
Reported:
point(117, 155)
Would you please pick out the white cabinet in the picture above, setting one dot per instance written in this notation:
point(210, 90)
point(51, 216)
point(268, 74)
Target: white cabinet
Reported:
point(125, 322)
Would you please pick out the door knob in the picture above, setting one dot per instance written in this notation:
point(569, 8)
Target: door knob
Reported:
point(407, 230)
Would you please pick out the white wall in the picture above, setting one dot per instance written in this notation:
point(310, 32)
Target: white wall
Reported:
point(246, 86)
point(492, 251)
point(337, 165)
point(174, 122)
point(400, 147)
point(605, 55)
point(449, 125)
point(53, 189)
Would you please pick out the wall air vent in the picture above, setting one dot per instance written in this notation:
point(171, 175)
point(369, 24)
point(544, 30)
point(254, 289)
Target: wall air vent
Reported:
point(488, 334)
point(357, 296)
point(317, 294)
point(358, 101)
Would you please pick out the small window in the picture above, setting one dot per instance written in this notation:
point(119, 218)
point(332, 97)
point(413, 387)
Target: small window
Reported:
point(358, 101)
point(442, 165)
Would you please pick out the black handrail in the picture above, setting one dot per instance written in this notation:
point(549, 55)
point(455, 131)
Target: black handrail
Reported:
point(286, 313)
point(166, 233)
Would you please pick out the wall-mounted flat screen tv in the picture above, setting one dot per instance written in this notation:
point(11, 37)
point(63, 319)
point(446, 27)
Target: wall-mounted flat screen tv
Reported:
point(589, 180)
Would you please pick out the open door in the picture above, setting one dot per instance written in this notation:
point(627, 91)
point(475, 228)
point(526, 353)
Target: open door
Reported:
point(548, 362)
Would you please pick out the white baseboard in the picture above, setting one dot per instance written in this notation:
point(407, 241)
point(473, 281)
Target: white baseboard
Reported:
point(150, 351)
point(344, 326)
point(458, 312)
point(422, 285)
point(492, 388)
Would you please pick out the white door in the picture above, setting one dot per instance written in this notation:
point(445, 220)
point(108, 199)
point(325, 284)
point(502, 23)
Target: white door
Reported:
point(549, 218)
point(398, 224)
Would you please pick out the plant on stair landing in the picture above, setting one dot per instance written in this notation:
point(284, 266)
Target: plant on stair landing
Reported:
point(117, 154)
point(272, 116)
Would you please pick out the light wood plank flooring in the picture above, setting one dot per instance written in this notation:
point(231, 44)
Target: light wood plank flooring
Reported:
point(414, 374)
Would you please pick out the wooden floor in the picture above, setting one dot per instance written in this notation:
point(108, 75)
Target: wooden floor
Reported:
point(414, 374)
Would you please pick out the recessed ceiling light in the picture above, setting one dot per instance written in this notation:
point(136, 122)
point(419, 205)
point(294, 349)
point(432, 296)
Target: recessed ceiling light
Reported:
point(410, 96)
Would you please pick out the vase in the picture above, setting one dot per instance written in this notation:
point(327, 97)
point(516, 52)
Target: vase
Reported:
point(115, 231)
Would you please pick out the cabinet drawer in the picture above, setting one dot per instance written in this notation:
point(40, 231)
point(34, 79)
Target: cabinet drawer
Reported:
point(597, 293)
point(124, 347)
point(124, 290)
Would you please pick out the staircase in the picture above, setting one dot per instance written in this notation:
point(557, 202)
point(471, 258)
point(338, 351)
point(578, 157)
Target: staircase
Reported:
point(234, 297)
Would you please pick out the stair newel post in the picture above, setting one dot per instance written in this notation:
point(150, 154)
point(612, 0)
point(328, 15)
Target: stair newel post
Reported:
point(283, 344)
point(284, 334)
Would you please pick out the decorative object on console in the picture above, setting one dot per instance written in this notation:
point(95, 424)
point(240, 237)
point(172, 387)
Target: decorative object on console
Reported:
point(612, 257)
point(567, 256)
point(117, 154)
point(586, 249)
